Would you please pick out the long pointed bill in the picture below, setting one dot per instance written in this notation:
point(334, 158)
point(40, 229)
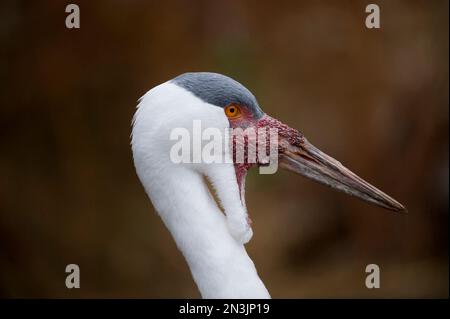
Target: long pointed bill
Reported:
point(298, 155)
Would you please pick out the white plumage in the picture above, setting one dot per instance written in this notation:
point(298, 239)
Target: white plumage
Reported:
point(211, 242)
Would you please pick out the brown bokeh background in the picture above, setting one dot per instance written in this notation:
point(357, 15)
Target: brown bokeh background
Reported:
point(377, 100)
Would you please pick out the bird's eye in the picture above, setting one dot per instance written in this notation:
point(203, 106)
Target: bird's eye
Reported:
point(232, 111)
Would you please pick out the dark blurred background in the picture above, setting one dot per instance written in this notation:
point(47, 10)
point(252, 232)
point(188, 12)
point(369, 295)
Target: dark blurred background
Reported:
point(377, 100)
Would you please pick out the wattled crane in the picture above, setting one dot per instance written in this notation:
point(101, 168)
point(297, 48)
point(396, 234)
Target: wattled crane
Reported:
point(212, 235)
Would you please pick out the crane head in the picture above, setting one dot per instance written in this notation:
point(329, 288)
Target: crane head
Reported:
point(295, 152)
point(190, 107)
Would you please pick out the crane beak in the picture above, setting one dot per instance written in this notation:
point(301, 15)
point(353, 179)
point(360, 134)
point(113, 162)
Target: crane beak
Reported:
point(298, 155)
point(305, 159)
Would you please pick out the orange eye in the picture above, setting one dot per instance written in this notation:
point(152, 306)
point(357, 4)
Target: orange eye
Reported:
point(232, 111)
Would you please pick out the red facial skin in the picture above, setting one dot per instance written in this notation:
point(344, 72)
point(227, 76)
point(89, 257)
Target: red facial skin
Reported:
point(246, 120)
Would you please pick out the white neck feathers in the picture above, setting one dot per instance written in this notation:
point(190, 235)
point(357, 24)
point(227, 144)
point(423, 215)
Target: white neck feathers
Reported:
point(219, 264)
